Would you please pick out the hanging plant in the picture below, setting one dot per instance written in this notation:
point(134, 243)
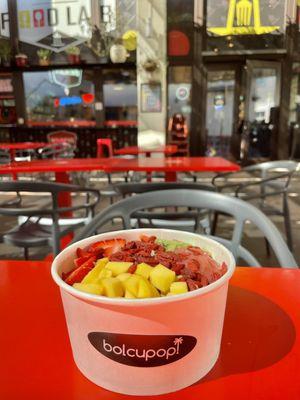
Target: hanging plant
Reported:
point(150, 65)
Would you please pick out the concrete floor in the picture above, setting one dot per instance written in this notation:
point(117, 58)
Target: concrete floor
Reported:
point(252, 236)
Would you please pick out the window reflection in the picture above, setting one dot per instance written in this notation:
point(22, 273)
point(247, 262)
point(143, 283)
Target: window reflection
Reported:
point(64, 96)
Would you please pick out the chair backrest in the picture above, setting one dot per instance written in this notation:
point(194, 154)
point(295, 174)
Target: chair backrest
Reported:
point(239, 209)
point(131, 188)
point(57, 150)
point(53, 210)
point(270, 166)
point(62, 136)
point(4, 156)
point(103, 144)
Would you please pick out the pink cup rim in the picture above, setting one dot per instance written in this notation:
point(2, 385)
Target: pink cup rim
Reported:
point(140, 302)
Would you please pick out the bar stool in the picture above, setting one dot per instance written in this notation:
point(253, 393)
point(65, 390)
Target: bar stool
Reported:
point(104, 146)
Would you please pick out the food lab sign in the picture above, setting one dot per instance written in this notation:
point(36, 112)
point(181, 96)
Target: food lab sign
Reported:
point(54, 25)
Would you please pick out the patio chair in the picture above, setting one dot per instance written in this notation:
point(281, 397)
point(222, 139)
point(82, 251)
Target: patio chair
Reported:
point(239, 209)
point(188, 219)
point(45, 224)
point(57, 150)
point(272, 179)
point(4, 156)
point(104, 150)
point(62, 137)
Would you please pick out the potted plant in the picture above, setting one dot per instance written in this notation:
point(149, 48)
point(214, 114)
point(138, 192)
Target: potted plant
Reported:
point(118, 52)
point(73, 54)
point(150, 65)
point(44, 56)
point(21, 60)
point(5, 53)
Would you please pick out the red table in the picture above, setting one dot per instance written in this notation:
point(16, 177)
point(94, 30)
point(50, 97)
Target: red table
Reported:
point(260, 354)
point(135, 150)
point(170, 166)
point(12, 147)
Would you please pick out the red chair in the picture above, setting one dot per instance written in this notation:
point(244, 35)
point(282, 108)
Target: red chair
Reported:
point(104, 148)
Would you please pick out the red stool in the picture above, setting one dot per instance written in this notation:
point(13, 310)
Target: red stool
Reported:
point(104, 144)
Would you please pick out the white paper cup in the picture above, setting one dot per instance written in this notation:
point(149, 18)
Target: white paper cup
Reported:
point(145, 346)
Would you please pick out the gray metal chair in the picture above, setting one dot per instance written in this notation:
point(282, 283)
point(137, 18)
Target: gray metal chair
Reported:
point(239, 209)
point(45, 224)
point(272, 179)
point(4, 156)
point(57, 150)
point(188, 219)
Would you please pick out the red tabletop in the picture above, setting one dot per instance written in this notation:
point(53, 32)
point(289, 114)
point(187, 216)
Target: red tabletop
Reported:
point(176, 164)
point(135, 150)
point(22, 145)
point(259, 359)
point(171, 164)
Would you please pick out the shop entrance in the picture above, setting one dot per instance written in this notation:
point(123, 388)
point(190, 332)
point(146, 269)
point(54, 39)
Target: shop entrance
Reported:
point(242, 109)
point(220, 109)
point(261, 109)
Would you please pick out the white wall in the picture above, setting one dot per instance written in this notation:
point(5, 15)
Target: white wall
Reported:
point(151, 23)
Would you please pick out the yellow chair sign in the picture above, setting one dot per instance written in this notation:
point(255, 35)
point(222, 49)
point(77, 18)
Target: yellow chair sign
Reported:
point(239, 20)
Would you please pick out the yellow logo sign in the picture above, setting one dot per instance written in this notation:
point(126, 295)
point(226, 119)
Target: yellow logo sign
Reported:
point(243, 18)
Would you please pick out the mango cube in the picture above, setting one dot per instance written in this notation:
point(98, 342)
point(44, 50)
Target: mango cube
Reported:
point(161, 277)
point(112, 287)
point(92, 288)
point(132, 284)
point(93, 275)
point(118, 267)
point(144, 270)
point(129, 295)
point(144, 289)
point(155, 292)
point(105, 273)
point(124, 277)
point(178, 288)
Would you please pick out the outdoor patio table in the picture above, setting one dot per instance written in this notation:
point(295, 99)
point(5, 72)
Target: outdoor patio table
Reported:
point(170, 166)
point(135, 150)
point(13, 147)
point(259, 359)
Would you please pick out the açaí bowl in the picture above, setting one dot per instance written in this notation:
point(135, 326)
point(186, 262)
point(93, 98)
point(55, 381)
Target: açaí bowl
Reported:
point(145, 346)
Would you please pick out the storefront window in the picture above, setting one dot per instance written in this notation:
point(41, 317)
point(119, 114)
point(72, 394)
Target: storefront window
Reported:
point(294, 116)
point(120, 96)
point(4, 19)
point(87, 29)
point(233, 24)
point(59, 95)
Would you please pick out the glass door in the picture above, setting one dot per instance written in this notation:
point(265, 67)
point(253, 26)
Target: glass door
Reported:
point(262, 107)
point(220, 106)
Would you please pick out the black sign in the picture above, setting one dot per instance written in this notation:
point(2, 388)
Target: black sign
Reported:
point(142, 350)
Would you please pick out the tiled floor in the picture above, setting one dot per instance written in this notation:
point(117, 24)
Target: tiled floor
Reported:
point(253, 239)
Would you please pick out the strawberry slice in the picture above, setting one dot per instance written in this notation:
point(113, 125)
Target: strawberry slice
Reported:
point(82, 253)
point(108, 246)
point(81, 260)
point(80, 272)
point(104, 244)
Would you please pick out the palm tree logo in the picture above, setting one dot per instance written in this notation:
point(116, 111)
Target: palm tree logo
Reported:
point(178, 342)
